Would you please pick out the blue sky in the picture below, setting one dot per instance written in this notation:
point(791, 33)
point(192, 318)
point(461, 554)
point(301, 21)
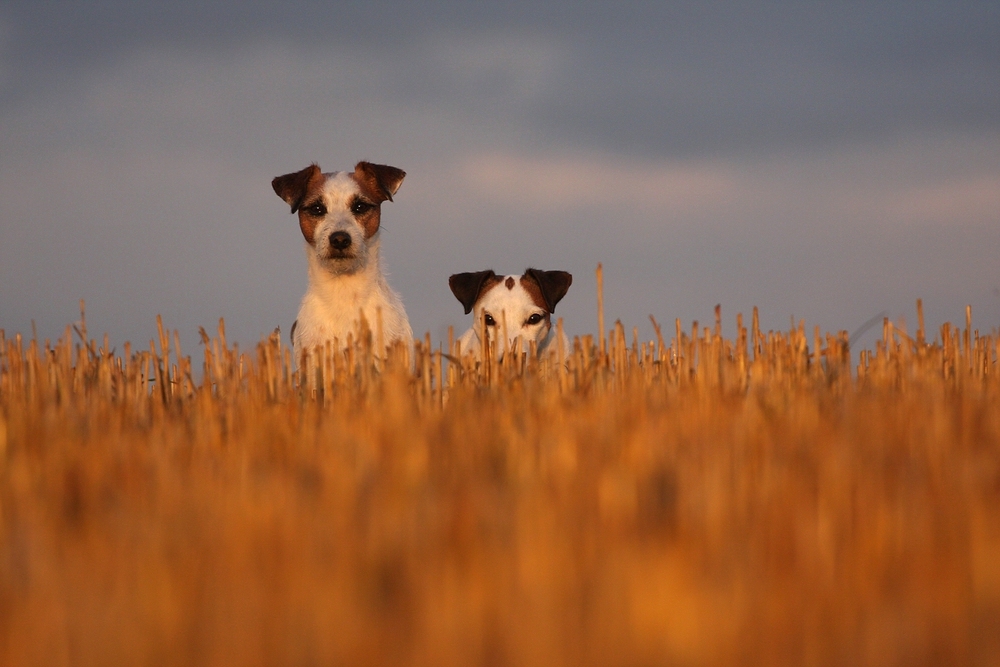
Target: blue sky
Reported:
point(825, 162)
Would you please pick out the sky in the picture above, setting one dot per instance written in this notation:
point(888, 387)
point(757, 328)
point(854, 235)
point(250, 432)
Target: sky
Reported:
point(826, 162)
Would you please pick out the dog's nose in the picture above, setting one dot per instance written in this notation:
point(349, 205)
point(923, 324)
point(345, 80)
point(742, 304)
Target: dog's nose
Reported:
point(340, 240)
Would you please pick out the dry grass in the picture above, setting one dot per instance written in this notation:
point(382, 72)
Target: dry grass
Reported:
point(690, 501)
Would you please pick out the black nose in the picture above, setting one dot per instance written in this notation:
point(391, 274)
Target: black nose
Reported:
point(340, 240)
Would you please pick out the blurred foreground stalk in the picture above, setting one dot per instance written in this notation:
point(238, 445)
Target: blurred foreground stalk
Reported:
point(691, 501)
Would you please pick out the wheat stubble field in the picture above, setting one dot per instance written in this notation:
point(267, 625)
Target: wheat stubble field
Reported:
point(691, 500)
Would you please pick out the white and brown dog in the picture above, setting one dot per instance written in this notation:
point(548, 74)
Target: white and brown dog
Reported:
point(339, 215)
point(519, 306)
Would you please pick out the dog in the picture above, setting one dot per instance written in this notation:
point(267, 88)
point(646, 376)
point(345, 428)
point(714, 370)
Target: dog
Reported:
point(519, 307)
point(340, 215)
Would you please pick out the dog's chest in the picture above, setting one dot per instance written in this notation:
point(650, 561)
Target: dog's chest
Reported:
point(333, 309)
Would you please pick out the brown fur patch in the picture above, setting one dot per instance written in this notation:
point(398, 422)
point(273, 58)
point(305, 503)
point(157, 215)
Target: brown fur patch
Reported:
point(377, 183)
point(301, 189)
point(381, 179)
point(489, 284)
point(371, 220)
point(510, 282)
point(372, 194)
point(530, 286)
point(292, 187)
point(313, 194)
point(469, 287)
point(552, 286)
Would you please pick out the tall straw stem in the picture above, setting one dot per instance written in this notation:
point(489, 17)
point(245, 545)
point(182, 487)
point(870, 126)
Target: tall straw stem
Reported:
point(600, 309)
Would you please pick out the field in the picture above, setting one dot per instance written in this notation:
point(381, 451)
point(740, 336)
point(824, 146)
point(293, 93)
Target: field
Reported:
point(691, 500)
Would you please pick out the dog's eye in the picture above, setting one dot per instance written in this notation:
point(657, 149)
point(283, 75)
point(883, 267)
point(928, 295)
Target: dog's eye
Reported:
point(316, 210)
point(490, 322)
point(360, 207)
point(534, 319)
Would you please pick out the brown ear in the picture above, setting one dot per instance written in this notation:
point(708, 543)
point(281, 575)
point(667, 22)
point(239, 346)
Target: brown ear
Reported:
point(467, 286)
point(552, 284)
point(382, 180)
point(293, 187)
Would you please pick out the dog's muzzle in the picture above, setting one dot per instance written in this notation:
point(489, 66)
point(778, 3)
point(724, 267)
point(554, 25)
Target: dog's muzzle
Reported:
point(340, 241)
point(340, 245)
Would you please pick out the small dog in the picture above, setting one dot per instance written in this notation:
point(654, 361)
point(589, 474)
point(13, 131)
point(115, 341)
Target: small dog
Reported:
point(518, 306)
point(339, 215)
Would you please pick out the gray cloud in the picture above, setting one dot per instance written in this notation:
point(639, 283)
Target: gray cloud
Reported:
point(820, 163)
point(651, 78)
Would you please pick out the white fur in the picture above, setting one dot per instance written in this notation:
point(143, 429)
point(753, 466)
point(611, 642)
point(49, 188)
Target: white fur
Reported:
point(343, 288)
point(513, 308)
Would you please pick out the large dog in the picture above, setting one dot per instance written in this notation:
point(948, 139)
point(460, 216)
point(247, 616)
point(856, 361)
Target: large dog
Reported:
point(518, 306)
point(339, 215)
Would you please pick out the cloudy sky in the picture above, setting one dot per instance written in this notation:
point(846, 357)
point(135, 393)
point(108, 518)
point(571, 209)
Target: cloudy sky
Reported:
point(827, 162)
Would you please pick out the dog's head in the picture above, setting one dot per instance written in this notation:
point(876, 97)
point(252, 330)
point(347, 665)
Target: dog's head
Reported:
point(340, 212)
point(522, 305)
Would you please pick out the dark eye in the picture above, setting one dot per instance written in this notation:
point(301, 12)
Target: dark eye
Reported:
point(490, 322)
point(360, 207)
point(316, 210)
point(534, 319)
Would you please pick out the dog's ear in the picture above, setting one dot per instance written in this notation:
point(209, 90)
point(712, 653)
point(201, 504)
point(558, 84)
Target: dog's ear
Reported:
point(293, 187)
point(381, 179)
point(552, 284)
point(467, 286)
